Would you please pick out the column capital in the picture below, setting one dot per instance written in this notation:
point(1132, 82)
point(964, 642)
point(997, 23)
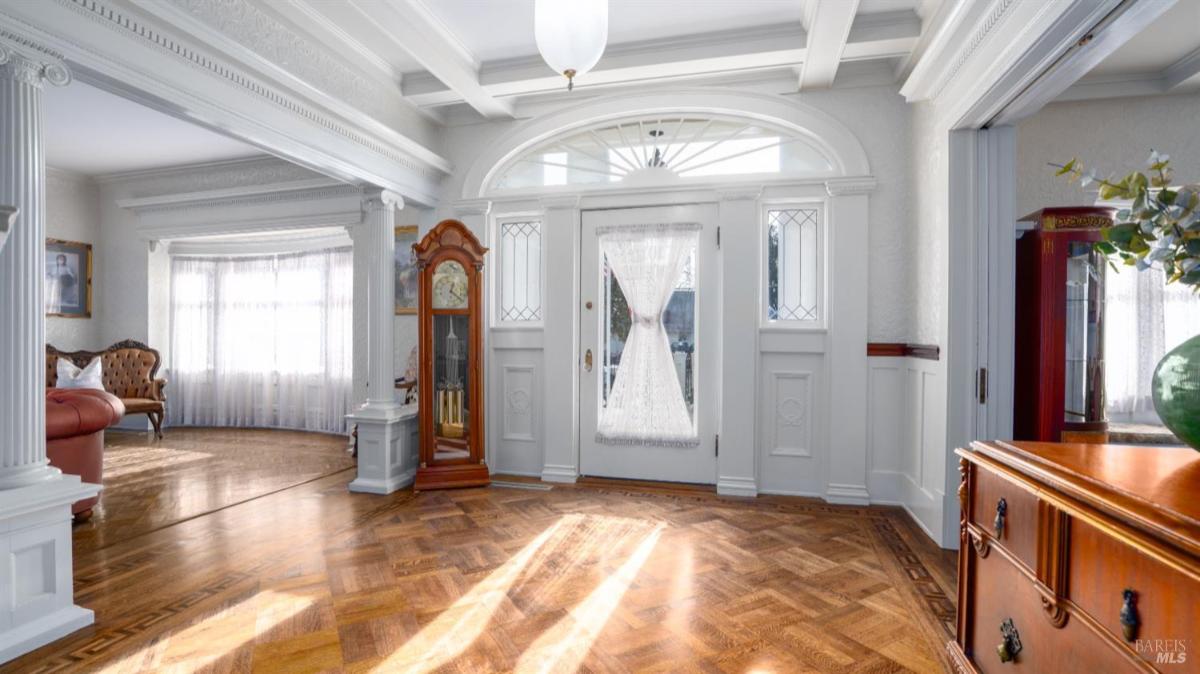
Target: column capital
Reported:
point(465, 207)
point(837, 187)
point(739, 193)
point(375, 199)
point(563, 202)
point(23, 60)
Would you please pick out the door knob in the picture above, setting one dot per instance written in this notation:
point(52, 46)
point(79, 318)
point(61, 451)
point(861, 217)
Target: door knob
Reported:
point(587, 360)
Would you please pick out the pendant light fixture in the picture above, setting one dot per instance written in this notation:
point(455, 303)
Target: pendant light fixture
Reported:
point(571, 34)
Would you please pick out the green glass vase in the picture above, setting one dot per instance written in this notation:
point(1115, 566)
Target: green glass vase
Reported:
point(1176, 388)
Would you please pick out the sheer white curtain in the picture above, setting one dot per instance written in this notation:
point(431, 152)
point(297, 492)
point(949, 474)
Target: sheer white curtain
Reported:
point(646, 404)
point(1143, 319)
point(262, 341)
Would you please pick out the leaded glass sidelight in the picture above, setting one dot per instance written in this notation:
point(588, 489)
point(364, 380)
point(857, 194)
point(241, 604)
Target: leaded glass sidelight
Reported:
point(793, 264)
point(520, 271)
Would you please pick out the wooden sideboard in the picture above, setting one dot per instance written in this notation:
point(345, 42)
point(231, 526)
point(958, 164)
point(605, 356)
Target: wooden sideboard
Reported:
point(1078, 558)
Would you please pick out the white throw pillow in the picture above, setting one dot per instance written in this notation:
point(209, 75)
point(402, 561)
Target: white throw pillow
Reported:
point(70, 376)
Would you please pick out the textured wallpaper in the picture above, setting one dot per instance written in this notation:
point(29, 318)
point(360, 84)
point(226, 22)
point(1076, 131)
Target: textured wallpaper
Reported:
point(1113, 135)
point(72, 213)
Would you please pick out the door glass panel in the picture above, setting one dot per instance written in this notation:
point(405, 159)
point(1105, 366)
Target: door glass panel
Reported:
point(679, 319)
point(1084, 389)
point(451, 399)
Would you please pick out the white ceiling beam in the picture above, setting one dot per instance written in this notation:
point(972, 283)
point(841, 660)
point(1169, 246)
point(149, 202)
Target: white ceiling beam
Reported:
point(737, 52)
point(411, 26)
point(828, 23)
point(1184, 75)
point(335, 38)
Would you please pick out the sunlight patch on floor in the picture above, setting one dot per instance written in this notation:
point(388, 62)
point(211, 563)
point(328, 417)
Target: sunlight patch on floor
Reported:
point(457, 627)
point(201, 645)
point(563, 647)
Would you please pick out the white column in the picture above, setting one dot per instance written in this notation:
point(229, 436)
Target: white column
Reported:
point(36, 593)
point(847, 472)
point(387, 457)
point(560, 351)
point(738, 218)
point(359, 320)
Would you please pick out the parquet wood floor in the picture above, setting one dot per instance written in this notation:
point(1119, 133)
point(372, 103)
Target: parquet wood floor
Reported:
point(149, 483)
point(600, 577)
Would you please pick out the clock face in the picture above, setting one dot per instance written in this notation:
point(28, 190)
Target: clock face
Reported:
point(449, 286)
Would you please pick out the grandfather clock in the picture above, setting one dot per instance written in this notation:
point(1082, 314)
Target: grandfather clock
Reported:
point(450, 313)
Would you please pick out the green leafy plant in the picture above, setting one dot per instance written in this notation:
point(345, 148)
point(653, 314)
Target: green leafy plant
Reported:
point(1161, 226)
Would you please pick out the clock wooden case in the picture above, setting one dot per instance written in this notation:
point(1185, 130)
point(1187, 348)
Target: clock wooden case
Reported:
point(450, 311)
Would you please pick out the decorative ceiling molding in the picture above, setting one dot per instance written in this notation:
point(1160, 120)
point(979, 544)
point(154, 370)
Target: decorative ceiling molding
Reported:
point(279, 243)
point(291, 205)
point(1104, 38)
point(128, 58)
point(736, 53)
point(950, 47)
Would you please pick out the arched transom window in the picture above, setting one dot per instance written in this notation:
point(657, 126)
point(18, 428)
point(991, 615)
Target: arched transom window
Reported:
point(660, 150)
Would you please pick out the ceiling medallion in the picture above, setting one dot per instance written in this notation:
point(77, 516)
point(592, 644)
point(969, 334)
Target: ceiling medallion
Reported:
point(571, 35)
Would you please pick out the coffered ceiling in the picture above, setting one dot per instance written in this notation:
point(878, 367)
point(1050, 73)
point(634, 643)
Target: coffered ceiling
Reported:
point(482, 53)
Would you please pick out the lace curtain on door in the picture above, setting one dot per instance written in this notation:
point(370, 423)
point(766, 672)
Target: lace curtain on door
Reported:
point(262, 341)
point(1144, 319)
point(646, 405)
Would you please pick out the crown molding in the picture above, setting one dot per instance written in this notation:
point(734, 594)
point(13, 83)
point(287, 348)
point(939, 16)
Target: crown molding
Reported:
point(280, 243)
point(217, 84)
point(300, 190)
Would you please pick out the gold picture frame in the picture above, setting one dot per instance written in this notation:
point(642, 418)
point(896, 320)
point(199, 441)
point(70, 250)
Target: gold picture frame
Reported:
point(68, 279)
point(406, 274)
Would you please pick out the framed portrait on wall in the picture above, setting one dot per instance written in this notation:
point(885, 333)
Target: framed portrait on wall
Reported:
point(407, 274)
point(68, 279)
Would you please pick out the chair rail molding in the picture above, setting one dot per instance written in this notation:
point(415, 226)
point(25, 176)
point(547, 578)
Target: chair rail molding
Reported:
point(188, 68)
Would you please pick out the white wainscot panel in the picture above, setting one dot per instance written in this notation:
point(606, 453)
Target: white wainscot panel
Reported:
point(517, 385)
point(887, 418)
point(792, 436)
point(790, 401)
point(514, 405)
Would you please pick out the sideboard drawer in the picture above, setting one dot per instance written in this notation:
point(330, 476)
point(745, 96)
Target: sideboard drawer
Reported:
point(1019, 533)
point(1002, 593)
point(1166, 604)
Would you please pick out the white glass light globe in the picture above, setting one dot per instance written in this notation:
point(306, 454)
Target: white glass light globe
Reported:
point(571, 34)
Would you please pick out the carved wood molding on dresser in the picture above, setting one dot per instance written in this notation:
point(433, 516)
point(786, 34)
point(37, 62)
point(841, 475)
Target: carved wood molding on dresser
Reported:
point(1096, 563)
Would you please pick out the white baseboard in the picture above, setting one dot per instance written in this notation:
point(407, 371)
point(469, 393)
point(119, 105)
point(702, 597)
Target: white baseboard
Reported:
point(367, 486)
point(737, 486)
point(33, 635)
point(562, 474)
point(847, 494)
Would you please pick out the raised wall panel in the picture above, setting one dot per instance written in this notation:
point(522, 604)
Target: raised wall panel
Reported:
point(517, 387)
point(791, 407)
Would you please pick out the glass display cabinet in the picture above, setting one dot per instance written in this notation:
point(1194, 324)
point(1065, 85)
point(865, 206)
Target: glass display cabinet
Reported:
point(1059, 359)
point(450, 313)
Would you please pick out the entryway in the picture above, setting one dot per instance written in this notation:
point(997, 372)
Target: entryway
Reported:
point(649, 363)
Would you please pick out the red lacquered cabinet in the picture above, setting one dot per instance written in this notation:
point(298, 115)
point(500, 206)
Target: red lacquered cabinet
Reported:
point(1059, 331)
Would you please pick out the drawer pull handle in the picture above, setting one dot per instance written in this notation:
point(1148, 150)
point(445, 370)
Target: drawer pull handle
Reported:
point(1001, 513)
point(1129, 615)
point(1008, 649)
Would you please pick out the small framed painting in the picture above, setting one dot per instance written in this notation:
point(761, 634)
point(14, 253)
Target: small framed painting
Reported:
point(68, 279)
point(406, 270)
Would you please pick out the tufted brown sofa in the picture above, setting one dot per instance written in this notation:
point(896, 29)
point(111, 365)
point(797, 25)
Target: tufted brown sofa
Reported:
point(129, 370)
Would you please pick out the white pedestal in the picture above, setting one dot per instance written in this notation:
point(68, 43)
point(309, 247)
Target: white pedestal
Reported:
point(36, 589)
point(388, 448)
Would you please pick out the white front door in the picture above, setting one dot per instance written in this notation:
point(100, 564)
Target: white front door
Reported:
point(690, 320)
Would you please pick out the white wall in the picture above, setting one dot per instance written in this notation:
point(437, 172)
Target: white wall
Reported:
point(73, 214)
point(1110, 135)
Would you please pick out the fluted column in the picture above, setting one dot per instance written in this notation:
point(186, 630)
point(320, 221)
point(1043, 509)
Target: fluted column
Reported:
point(379, 237)
point(22, 267)
point(387, 431)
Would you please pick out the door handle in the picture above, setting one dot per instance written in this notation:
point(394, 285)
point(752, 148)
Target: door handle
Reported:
point(587, 360)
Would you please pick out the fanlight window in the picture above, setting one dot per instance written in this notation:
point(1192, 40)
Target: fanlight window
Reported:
point(661, 150)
